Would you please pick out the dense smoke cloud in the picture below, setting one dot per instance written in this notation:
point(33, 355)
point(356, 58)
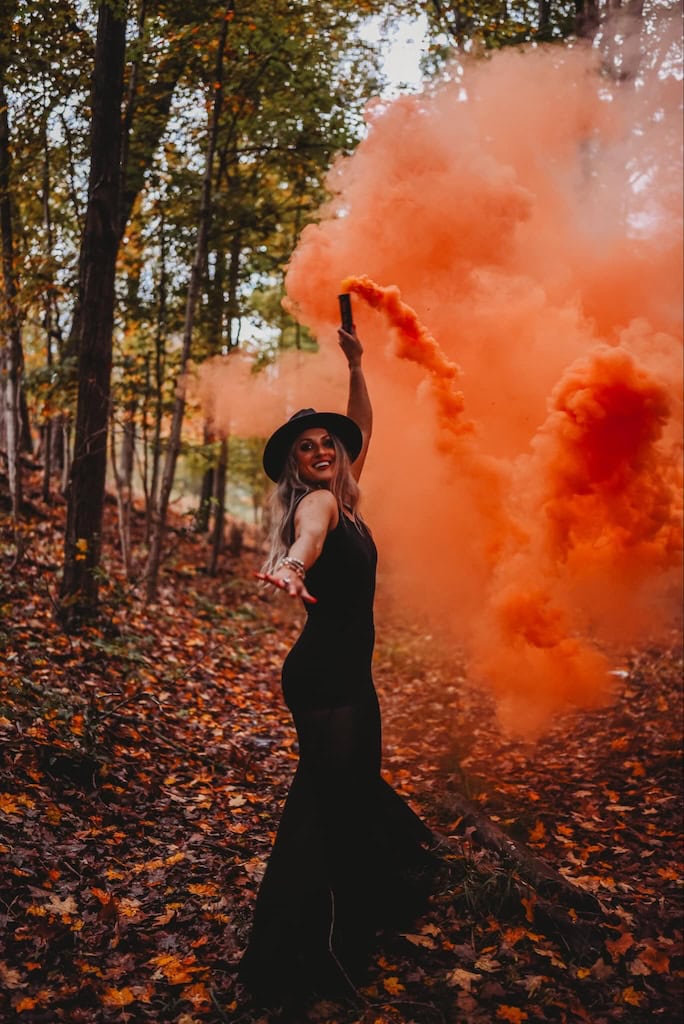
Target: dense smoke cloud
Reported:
point(512, 238)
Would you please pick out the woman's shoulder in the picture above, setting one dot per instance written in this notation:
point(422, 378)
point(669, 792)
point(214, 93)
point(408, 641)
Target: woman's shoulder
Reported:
point(319, 503)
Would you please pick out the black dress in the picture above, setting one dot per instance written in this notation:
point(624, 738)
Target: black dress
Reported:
point(350, 856)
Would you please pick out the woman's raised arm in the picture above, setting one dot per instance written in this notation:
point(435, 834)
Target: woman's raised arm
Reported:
point(359, 406)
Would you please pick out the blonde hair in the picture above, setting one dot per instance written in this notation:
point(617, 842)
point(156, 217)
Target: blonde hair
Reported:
point(290, 490)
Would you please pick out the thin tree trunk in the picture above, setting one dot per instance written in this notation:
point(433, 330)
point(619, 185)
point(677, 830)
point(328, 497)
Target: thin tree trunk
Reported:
point(65, 445)
point(544, 23)
point(12, 356)
point(219, 507)
point(85, 499)
point(159, 367)
point(48, 308)
point(196, 275)
point(123, 501)
point(207, 487)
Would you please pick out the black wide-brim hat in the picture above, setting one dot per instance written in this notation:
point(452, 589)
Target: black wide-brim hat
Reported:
point(280, 441)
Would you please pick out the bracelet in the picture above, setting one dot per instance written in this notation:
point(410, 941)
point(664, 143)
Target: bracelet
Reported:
point(295, 564)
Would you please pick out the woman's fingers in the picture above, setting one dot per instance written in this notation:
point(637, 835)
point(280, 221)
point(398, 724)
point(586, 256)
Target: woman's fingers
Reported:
point(288, 585)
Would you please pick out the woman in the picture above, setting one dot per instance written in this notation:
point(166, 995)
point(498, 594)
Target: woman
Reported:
point(350, 856)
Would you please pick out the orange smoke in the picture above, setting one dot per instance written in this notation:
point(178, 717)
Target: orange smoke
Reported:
point(524, 482)
point(414, 342)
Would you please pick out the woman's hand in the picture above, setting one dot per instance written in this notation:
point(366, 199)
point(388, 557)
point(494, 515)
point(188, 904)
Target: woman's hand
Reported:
point(351, 346)
point(288, 581)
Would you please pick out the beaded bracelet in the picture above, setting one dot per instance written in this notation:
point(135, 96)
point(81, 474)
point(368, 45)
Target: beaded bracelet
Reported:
point(295, 564)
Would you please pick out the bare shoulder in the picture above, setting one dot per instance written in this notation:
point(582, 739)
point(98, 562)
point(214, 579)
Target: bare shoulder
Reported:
point(319, 507)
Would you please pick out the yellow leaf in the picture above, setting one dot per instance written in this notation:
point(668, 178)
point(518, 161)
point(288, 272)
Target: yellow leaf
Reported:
point(8, 804)
point(393, 986)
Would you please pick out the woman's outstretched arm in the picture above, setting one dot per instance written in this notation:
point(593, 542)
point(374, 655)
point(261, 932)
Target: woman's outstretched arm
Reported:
point(317, 514)
point(358, 404)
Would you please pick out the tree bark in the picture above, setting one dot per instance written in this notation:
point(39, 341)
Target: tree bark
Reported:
point(12, 364)
point(123, 501)
point(196, 275)
point(97, 265)
point(219, 507)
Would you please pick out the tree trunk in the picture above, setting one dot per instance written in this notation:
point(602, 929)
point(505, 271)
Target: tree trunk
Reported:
point(196, 275)
point(544, 23)
point(123, 501)
point(11, 367)
point(219, 507)
point(49, 323)
point(151, 479)
point(97, 265)
point(207, 487)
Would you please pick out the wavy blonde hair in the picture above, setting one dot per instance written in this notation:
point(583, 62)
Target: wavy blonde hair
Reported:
point(290, 490)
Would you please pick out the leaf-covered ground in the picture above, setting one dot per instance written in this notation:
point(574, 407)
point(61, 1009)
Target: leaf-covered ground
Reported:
point(144, 763)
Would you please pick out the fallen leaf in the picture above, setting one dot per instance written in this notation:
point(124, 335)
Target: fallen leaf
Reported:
point(617, 947)
point(464, 979)
point(511, 1013)
point(117, 997)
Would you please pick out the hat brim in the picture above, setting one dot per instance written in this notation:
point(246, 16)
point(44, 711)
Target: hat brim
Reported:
point(280, 442)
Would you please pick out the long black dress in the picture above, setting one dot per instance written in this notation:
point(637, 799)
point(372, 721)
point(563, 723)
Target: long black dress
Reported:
point(350, 856)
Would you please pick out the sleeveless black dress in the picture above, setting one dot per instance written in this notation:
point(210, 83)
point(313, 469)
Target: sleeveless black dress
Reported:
point(350, 856)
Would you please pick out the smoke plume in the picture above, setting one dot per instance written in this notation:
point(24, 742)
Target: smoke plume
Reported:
point(512, 240)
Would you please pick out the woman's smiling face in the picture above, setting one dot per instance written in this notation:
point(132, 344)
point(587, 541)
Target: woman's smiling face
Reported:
point(315, 454)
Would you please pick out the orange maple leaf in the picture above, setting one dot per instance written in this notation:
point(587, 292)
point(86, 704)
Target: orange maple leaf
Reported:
point(616, 947)
point(196, 994)
point(528, 904)
point(655, 958)
point(538, 832)
point(511, 1013)
point(117, 997)
point(631, 996)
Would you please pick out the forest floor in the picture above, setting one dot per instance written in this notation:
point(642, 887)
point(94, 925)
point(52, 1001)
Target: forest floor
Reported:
point(144, 764)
